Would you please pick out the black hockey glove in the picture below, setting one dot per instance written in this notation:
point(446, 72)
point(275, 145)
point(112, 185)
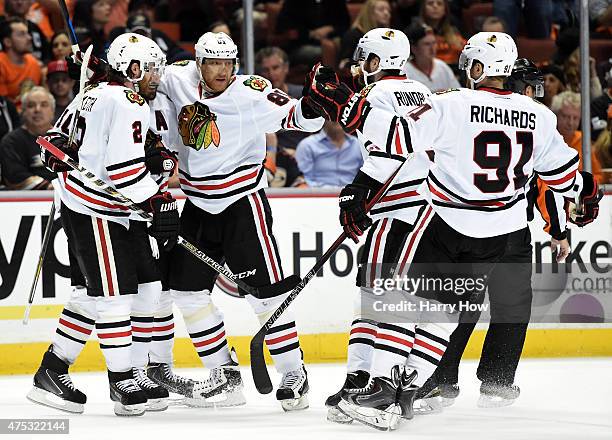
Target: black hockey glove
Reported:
point(320, 73)
point(165, 225)
point(337, 102)
point(97, 70)
point(590, 196)
point(53, 163)
point(158, 158)
point(353, 217)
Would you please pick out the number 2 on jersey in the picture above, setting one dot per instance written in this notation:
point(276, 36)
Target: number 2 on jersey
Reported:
point(501, 162)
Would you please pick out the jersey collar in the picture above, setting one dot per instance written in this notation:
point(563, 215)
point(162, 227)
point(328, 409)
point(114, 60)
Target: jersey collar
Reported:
point(393, 77)
point(495, 90)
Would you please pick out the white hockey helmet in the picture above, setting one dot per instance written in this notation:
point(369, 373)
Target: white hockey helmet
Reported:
point(217, 45)
point(495, 50)
point(130, 47)
point(389, 45)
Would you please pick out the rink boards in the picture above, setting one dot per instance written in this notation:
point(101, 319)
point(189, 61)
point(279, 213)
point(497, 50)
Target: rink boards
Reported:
point(305, 223)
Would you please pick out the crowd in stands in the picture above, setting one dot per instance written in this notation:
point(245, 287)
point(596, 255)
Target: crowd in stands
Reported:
point(290, 37)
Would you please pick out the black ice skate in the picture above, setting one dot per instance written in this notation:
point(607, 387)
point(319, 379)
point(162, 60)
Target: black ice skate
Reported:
point(292, 393)
point(53, 386)
point(428, 400)
point(163, 375)
point(495, 395)
point(447, 392)
point(406, 392)
point(222, 388)
point(375, 405)
point(354, 380)
point(157, 396)
point(129, 398)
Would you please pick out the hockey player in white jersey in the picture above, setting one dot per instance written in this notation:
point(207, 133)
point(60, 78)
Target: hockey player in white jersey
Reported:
point(222, 121)
point(381, 55)
point(110, 243)
point(487, 141)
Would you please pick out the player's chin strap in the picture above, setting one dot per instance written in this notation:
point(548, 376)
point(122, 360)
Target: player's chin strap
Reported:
point(268, 292)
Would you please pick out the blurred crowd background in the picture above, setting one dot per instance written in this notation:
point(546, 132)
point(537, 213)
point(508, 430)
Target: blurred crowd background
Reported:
point(290, 36)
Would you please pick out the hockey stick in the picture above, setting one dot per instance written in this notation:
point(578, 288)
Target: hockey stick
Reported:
point(258, 361)
point(71, 33)
point(41, 259)
point(131, 205)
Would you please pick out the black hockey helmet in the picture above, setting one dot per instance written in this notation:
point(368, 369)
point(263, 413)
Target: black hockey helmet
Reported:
point(525, 73)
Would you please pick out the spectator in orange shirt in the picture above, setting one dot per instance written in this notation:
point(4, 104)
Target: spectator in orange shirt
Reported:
point(436, 14)
point(566, 106)
point(19, 70)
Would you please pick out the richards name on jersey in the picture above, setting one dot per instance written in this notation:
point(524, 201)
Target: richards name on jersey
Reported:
point(503, 116)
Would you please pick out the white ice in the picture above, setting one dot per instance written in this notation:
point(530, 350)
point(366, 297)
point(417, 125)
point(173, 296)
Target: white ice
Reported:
point(560, 399)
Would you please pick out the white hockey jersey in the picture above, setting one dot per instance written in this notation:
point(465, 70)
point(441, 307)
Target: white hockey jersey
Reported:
point(111, 130)
point(163, 123)
point(487, 143)
point(402, 200)
point(222, 143)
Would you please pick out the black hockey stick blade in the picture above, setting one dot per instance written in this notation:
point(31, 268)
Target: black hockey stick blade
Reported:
point(259, 369)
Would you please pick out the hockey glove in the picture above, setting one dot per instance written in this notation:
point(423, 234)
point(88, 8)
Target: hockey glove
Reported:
point(158, 158)
point(319, 73)
point(53, 163)
point(336, 102)
point(589, 202)
point(97, 70)
point(165, 225)
point(353, 217)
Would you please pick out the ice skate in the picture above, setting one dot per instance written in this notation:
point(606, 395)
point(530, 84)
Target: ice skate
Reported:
point(157, 396)
point(354, 380)
point(292, 393)
point(496, 396)
point(129, 398)
point(53, 386)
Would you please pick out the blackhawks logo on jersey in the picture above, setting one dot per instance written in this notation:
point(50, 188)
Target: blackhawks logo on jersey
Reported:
point(181, 63)
point(197, 126)
point(134, 97)
point(256, 83)
point(366, 90)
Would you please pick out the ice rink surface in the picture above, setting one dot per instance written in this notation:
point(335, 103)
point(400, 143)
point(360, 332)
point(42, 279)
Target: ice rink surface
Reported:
point(560, 399)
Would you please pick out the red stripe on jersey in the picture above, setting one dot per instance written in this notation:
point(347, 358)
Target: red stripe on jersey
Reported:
point(126, 173)
point(209, 341)
point(105, 256)
point(240, 179)
point(75, 327)
point(398, 143)
point(438, 193)
point(561, 180)
point(281, 338)
point(394, 339)
point(436, 350)
point(413, 236)
point(403, 195)
point(114, 335)
point(142, 329)
point(85, 197)
point(474, 203)
point(290, 118)
point(383, 225)
point(264, 231)
point(369, 331)
point(164, 328)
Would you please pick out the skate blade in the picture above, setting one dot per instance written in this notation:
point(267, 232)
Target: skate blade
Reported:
point(155, 405)
point(382, 420)
point(295, 404)
point(447, 401)
point(431, 405)
point(129, 410)
point(45, 398)
point(334, 415)
point(223, 400)
point(493, 402)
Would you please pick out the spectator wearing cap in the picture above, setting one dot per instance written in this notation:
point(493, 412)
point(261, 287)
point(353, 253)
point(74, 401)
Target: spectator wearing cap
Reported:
point(600, 106)
point(554, 83)
point(538, 16)
point(60, 85)
point(449, 41)
point(330, 157)
point(566, 106)
point(373, 14)
point(140, 23)
point(19, 70)
point(424, 66)
point(40, 44)
point(22, 167)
